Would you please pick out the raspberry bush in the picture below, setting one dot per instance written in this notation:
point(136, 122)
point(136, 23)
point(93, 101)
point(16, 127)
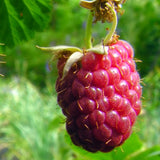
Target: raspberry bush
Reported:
point(98, 87)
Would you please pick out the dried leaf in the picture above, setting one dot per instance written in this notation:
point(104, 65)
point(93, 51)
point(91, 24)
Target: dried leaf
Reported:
point(75, 57)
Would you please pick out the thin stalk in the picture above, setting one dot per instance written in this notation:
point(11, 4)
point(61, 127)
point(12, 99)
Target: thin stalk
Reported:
point(88, 32)
point(114, 25)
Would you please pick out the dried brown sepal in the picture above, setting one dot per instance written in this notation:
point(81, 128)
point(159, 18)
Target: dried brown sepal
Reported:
point(114, 39)
point(101, 11)
point(72, 59)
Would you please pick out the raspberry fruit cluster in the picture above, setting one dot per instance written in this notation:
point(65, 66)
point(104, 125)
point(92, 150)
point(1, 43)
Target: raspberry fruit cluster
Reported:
point(100, 97)
point(98, 88)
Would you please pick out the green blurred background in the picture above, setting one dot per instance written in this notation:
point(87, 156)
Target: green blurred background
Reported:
point(32, 126)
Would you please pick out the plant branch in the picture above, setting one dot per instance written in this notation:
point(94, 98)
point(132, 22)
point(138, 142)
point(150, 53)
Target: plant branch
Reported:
point(114, 25)
point(88, 33)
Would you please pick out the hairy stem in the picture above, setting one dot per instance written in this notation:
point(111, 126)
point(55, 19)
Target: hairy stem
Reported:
point(88, 33)
point(114, 25)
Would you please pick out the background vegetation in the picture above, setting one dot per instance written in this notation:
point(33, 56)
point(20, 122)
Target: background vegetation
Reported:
point(32, 126)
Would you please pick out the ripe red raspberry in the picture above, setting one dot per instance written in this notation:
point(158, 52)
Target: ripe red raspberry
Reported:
point(100, 96)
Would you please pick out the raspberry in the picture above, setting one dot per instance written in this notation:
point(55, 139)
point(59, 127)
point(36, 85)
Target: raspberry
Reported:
point(100, 97)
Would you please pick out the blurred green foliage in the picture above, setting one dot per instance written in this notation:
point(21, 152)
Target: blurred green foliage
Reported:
point(20, 19)
point(32, 125)
point(151, 103)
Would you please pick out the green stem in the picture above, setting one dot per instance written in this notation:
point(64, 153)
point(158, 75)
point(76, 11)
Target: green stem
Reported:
point(88, 33)
point(114, 25)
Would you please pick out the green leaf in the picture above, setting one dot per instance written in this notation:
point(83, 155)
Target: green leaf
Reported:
point(55, 123)
point(132, 145)
point(20, 19)
point(152, 153)
point(83, 154)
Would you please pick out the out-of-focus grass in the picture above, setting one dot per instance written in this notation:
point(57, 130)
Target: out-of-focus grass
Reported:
point(31, 126)
point(150, 128)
